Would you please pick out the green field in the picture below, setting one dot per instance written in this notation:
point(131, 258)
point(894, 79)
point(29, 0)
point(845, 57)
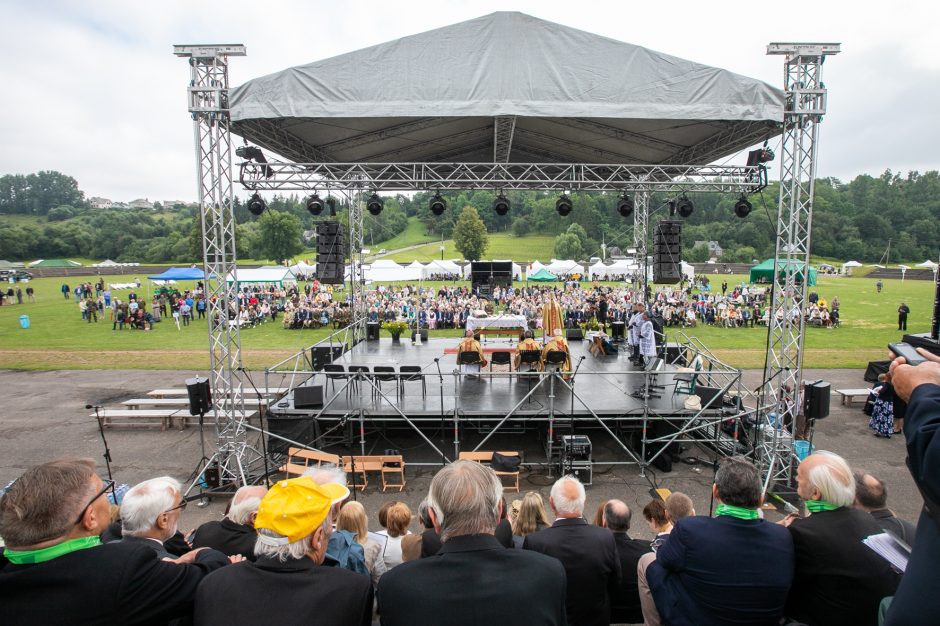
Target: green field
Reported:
point(502, 246)
point(59, 339)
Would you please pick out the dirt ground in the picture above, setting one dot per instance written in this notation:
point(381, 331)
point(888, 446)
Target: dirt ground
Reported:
point(43, 416)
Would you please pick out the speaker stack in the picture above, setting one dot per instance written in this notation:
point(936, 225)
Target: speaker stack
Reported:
point(667, 250)
point(330, 252)
point(816, 399)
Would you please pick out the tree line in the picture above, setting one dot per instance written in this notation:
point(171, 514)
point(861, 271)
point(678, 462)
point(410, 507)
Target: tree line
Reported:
point(851, 220)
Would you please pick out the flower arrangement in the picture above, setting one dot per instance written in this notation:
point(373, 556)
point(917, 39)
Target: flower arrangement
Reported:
point(591, 324)
point(396, 327)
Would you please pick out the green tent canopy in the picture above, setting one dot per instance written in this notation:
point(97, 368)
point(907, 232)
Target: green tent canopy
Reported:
point(764, 272)
point(543, 275)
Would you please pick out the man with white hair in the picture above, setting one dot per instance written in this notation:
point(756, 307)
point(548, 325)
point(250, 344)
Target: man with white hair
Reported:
point(588, 554)
point(837, 579)
point(234, 533)
point(289, 583)
point(473, 579)
point(150, 513)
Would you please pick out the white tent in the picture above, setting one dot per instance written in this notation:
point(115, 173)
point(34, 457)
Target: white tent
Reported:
point(106, 263)
point(598, 270)
point(385, 270)
point(417, 266)
point(688, 272)
point(302, 267)
point(620, 267)
point(441, 267)
point(561, 268)
point(927, 264)
point(533, 267)
point(270, 274)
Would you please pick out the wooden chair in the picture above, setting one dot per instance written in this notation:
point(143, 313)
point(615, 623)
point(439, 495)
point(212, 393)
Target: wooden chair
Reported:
point(299, 460)
point(358, 467)
point(487, 458)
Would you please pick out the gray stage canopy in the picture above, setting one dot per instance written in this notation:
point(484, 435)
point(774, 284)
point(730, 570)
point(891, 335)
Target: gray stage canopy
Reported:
point(506, 87)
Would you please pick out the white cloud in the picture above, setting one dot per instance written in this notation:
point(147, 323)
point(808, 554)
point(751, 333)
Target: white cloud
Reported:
point(94, 91)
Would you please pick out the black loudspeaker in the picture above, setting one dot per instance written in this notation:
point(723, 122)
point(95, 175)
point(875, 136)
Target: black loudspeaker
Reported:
point(575, 334)
point(200, 398)
point(308, 397)
point(372, 331)
point(330, 253)
point(675, 354)
point(816, 399)
point(667, 250)
point(324, 355)
point(424, 335)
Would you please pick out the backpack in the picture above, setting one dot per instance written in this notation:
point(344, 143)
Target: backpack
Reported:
point(346, 552)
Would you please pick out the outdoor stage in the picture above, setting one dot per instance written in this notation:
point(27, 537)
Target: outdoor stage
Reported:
point(640, 411)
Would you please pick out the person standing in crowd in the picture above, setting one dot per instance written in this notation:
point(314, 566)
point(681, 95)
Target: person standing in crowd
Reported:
point(903, 311)
point(882, 413)
point(647, 338)
point(66, 290)
point(55, 570)
point(473, 579)
point(878, 286)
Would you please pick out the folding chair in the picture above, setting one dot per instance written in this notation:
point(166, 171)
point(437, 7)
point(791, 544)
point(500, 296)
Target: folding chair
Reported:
point(409, 373)
point(333, 373)
point(500, 358)
point(359, 369)
point(469, 357)
point(385, 373)
point(555, 359)
point(685, 381)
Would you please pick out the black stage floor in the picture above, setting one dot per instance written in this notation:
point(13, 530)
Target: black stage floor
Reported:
point(604, 384)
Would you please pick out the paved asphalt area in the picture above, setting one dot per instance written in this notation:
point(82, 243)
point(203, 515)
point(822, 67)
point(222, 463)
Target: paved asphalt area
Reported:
point(43, 416)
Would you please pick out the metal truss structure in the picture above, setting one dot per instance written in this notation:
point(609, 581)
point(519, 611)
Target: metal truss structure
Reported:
point(208, 105)
point(641, 216)
point(279, 176)
point(805, 108)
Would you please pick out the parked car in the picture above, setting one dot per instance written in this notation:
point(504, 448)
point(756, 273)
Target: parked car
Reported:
point(19, 275)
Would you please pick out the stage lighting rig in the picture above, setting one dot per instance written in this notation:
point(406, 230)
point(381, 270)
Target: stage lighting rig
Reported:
point(501, 205)
point(375, 204)
point(315, 204)
point(760, 156)
point(563, 205)
point(257, 204)
point(625, 205)
point(438, 204)
point(684, 206)
point(742, 207)
point(251, 153)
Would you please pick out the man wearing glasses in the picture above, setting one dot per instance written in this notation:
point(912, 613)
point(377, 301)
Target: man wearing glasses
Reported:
point(55, 570)
point(150, 513)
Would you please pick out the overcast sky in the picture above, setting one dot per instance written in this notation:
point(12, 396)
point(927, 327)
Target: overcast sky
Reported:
point(92, 88)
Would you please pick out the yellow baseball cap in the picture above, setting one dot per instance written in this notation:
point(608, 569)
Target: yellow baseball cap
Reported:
point(295, 508)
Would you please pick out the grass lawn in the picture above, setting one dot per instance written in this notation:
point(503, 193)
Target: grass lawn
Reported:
point(59, 339)
point(502, 246)
point(413, 235)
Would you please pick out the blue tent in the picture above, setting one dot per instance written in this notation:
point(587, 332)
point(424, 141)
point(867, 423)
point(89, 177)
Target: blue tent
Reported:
point(180, 273)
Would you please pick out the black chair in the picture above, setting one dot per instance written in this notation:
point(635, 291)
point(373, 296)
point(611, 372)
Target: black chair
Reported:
point(333, 373)
point(532, 358)
point(385, 373)
point(501, 357)
point(469, 357)
point(357, 370)
point(555, 358)
point(408, 373)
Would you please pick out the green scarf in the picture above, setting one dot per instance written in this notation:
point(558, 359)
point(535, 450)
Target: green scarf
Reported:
point(816, 506)
point(29, 557)
point(736, 511)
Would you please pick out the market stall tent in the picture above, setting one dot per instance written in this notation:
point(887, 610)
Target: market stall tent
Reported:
point(764, 273)
point(268, 275)
point(180, 273)
point(564, 267)
point(543, 275)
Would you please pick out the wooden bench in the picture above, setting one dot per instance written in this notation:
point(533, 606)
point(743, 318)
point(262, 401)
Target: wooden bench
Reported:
point(359, 466)
point(487, 457)
point(299, 460)
point(137, 418)
point(172, 393)
point(184, 419)
point(849, 394)
point(180, 402)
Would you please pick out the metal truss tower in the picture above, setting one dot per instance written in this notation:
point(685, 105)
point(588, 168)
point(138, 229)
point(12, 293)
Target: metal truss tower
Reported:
point(641, 216)
point(804, 109)
point(356, 273)
point(208, 105)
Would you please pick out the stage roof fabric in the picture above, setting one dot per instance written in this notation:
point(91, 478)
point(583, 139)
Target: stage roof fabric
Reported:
point(570, 96)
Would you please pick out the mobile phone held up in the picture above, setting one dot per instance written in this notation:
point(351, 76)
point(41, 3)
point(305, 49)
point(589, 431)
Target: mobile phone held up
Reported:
point(907, 351)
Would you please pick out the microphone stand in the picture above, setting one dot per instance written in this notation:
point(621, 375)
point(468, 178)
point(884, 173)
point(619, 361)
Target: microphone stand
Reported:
point(107, 451)
point(440, 377)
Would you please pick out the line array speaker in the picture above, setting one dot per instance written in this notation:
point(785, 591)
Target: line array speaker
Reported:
point(330, 252)
point(667, 251)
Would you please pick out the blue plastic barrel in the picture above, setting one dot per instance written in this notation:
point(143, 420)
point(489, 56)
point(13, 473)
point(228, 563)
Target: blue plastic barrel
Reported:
point(24, 321)
point(802, 449)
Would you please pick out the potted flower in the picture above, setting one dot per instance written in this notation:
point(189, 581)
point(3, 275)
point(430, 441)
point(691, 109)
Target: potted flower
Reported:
point(396, 328)
point(590, 325)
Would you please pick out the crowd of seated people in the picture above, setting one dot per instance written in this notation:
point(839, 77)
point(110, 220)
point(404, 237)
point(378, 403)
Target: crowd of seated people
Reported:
point(305, 548)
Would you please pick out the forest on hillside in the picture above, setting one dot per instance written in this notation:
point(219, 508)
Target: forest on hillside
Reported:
point(46, 215)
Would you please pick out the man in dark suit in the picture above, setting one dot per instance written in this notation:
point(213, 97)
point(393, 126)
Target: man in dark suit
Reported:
point(587, 552)
point(235, 533)
point(871, 496)
point(150, 514)
point(918, 596)
point(625, 602)
point(473, 579)
point(838, 579)
point(291, 581)
point(55, 570)
point(734, 568)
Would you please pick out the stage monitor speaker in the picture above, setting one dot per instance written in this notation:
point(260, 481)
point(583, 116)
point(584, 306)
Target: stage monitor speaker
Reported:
point(324, 355)
point(667, 250)
point(675, 354)
point(816, 399)
point(372, 331)
point(574, 334)
point(200, 397)
point(308, 397)
point(424, 335)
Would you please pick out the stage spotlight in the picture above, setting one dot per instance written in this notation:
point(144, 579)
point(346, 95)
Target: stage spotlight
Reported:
point(563, 205)
point(375, 204)
point(314, 204)
point(251, 153)
point(759, 156)
point(742, 207)
point(625, 205)
point(256, 204)
point(438, 204)
point(684, 207)
point(501, 205)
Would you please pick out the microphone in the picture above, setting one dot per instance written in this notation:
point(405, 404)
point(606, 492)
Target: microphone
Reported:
point(436, 359)
point(92, 406)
